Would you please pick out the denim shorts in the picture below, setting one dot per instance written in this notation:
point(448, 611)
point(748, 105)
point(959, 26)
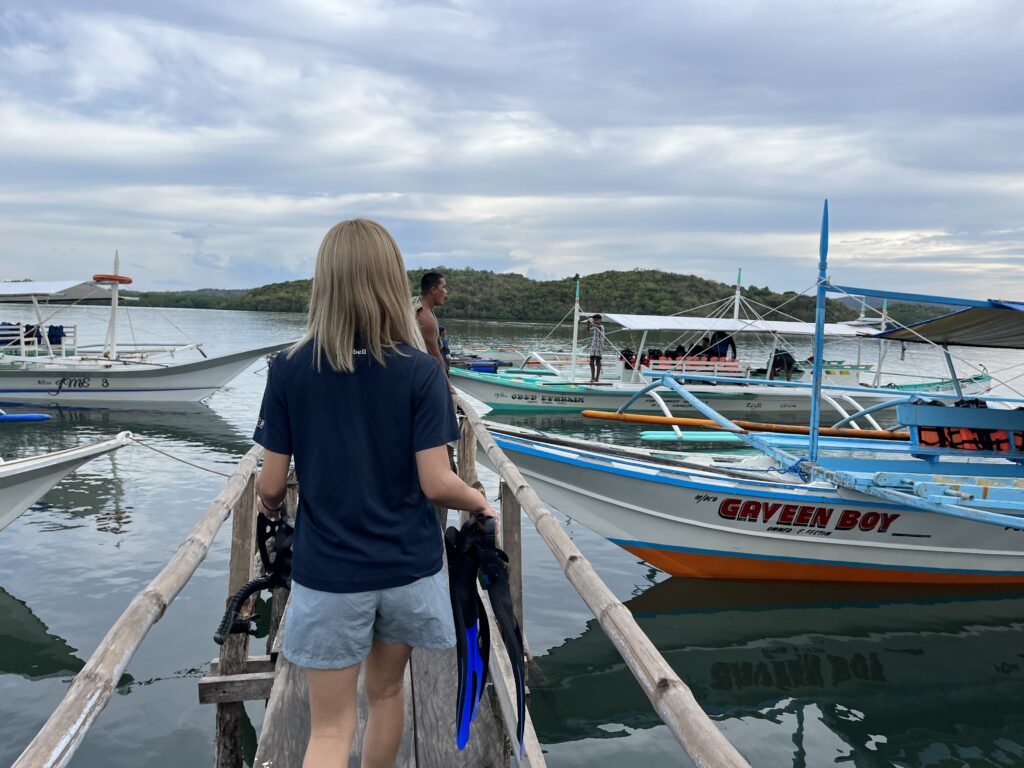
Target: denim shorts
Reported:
point(334, 630)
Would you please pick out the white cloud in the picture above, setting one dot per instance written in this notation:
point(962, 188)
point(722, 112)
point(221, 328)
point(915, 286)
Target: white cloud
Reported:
point(530, 136)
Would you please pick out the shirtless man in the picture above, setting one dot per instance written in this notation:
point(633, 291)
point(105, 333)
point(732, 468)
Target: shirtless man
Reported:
point(433, 292)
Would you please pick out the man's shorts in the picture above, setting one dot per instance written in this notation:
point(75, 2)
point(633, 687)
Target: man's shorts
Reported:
point(595, 358)
point(334, 630)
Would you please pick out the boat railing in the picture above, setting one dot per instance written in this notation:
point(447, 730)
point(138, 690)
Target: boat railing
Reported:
point(733, 368)
point(137, 349)
point(671, 698)
point(35, 340)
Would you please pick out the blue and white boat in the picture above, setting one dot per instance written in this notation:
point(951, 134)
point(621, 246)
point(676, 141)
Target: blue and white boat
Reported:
point(941, 503)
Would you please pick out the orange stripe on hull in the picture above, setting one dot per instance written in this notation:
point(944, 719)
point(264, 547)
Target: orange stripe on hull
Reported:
point(703, 566)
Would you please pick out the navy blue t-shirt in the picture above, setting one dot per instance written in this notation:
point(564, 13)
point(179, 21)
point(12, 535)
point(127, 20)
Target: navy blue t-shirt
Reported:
point(363, 522)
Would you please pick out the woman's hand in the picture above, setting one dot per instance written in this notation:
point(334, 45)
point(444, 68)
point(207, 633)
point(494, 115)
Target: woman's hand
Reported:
point(485, 511)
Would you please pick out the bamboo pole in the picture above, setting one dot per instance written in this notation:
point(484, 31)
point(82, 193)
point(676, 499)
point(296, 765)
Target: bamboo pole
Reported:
point(61, 735)
point(228, 740)
point(747, 426)
point(671, 697)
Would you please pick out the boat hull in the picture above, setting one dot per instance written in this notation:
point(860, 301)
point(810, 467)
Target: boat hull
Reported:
point(709, 524)
point(505, 395)
point(110, 384)
point(512, 394)
point(24, 481)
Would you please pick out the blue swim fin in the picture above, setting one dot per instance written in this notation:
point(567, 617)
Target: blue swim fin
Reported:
point(472, 632)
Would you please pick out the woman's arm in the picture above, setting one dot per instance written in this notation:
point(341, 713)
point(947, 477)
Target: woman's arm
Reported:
point(272, 483)
point(444, 487)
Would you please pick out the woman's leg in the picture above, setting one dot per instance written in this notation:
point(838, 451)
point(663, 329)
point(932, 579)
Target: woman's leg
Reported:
point(333, 715)
point(384, 681)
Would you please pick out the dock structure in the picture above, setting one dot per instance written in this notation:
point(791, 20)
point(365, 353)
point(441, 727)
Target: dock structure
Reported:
point(240, 674)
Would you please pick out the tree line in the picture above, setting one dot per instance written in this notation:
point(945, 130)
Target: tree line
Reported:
point(484, 295)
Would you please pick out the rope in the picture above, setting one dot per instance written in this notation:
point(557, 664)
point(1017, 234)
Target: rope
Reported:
point(559, 325)
point(167, 320)
point(131, 327)
point(178, 458)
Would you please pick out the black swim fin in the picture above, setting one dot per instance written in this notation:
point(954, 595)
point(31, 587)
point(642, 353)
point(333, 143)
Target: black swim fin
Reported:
point(494, 574)
point(472, 551)
point(472, 631)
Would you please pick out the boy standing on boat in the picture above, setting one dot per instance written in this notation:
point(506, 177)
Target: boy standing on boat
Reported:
point(597, 339)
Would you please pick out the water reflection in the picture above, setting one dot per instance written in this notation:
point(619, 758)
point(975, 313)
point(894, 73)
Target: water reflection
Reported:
point(96, 490)
point(27, 648)
point(192, 423)
point(902, 674)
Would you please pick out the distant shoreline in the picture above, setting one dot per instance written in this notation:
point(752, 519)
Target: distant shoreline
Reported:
point(484, 295)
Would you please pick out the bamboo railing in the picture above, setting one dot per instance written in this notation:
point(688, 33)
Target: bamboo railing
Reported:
point(670, 696)
point(61, 735)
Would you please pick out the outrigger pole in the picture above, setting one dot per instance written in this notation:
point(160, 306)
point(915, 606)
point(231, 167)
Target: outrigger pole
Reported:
point(575, 330)
point(736, 300)
point(110, 347)
point(819, 335)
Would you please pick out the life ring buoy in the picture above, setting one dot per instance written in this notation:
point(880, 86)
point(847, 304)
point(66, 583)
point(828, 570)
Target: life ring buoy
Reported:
point(119, 279)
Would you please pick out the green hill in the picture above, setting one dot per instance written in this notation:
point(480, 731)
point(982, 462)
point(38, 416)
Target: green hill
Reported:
point(481, 294)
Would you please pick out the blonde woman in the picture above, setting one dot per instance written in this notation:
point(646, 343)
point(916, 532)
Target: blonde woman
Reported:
point(366, 414)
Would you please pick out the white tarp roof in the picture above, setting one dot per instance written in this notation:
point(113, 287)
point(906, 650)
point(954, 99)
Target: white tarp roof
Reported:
point(1000, 326)
point(50, 290)
point(683, 324)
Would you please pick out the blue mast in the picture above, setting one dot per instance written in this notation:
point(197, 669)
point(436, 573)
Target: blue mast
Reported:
point(819, 334)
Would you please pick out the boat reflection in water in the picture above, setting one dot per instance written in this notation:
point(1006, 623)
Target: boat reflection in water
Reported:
point(27, 648)
point(888, 675)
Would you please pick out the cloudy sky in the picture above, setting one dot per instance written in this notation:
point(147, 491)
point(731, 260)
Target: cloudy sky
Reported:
point(213, 146)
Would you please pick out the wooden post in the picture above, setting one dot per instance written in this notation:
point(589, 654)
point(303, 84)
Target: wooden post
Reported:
point(512, 543)
point(467, 452)
point(236, 648)
point(279, 596)
point(442, 517)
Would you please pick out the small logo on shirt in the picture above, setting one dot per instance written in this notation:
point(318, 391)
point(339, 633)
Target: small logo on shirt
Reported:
point(260, 423)
point(358, 351)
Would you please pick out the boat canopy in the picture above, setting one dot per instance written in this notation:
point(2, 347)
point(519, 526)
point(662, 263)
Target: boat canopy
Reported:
point(50, 290)
point(685, 323)
point(999, 324)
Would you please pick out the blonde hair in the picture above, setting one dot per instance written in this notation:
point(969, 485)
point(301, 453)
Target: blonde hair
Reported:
point(359, 289)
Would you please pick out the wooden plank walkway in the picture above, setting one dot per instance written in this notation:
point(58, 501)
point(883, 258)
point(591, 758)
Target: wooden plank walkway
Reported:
point(429, 740)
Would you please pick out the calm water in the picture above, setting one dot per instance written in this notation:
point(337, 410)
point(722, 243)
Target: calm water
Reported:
point(799, 675)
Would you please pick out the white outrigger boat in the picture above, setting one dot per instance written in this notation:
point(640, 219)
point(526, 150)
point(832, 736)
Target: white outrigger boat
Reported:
point(940, 502)
point(39, 365)
point(24, 481)
point(738, 388)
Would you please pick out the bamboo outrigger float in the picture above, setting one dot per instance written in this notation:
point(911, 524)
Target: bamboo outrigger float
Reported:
point(429, 741)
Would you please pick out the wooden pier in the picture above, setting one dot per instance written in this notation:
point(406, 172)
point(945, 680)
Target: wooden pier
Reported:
point(241, 674)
